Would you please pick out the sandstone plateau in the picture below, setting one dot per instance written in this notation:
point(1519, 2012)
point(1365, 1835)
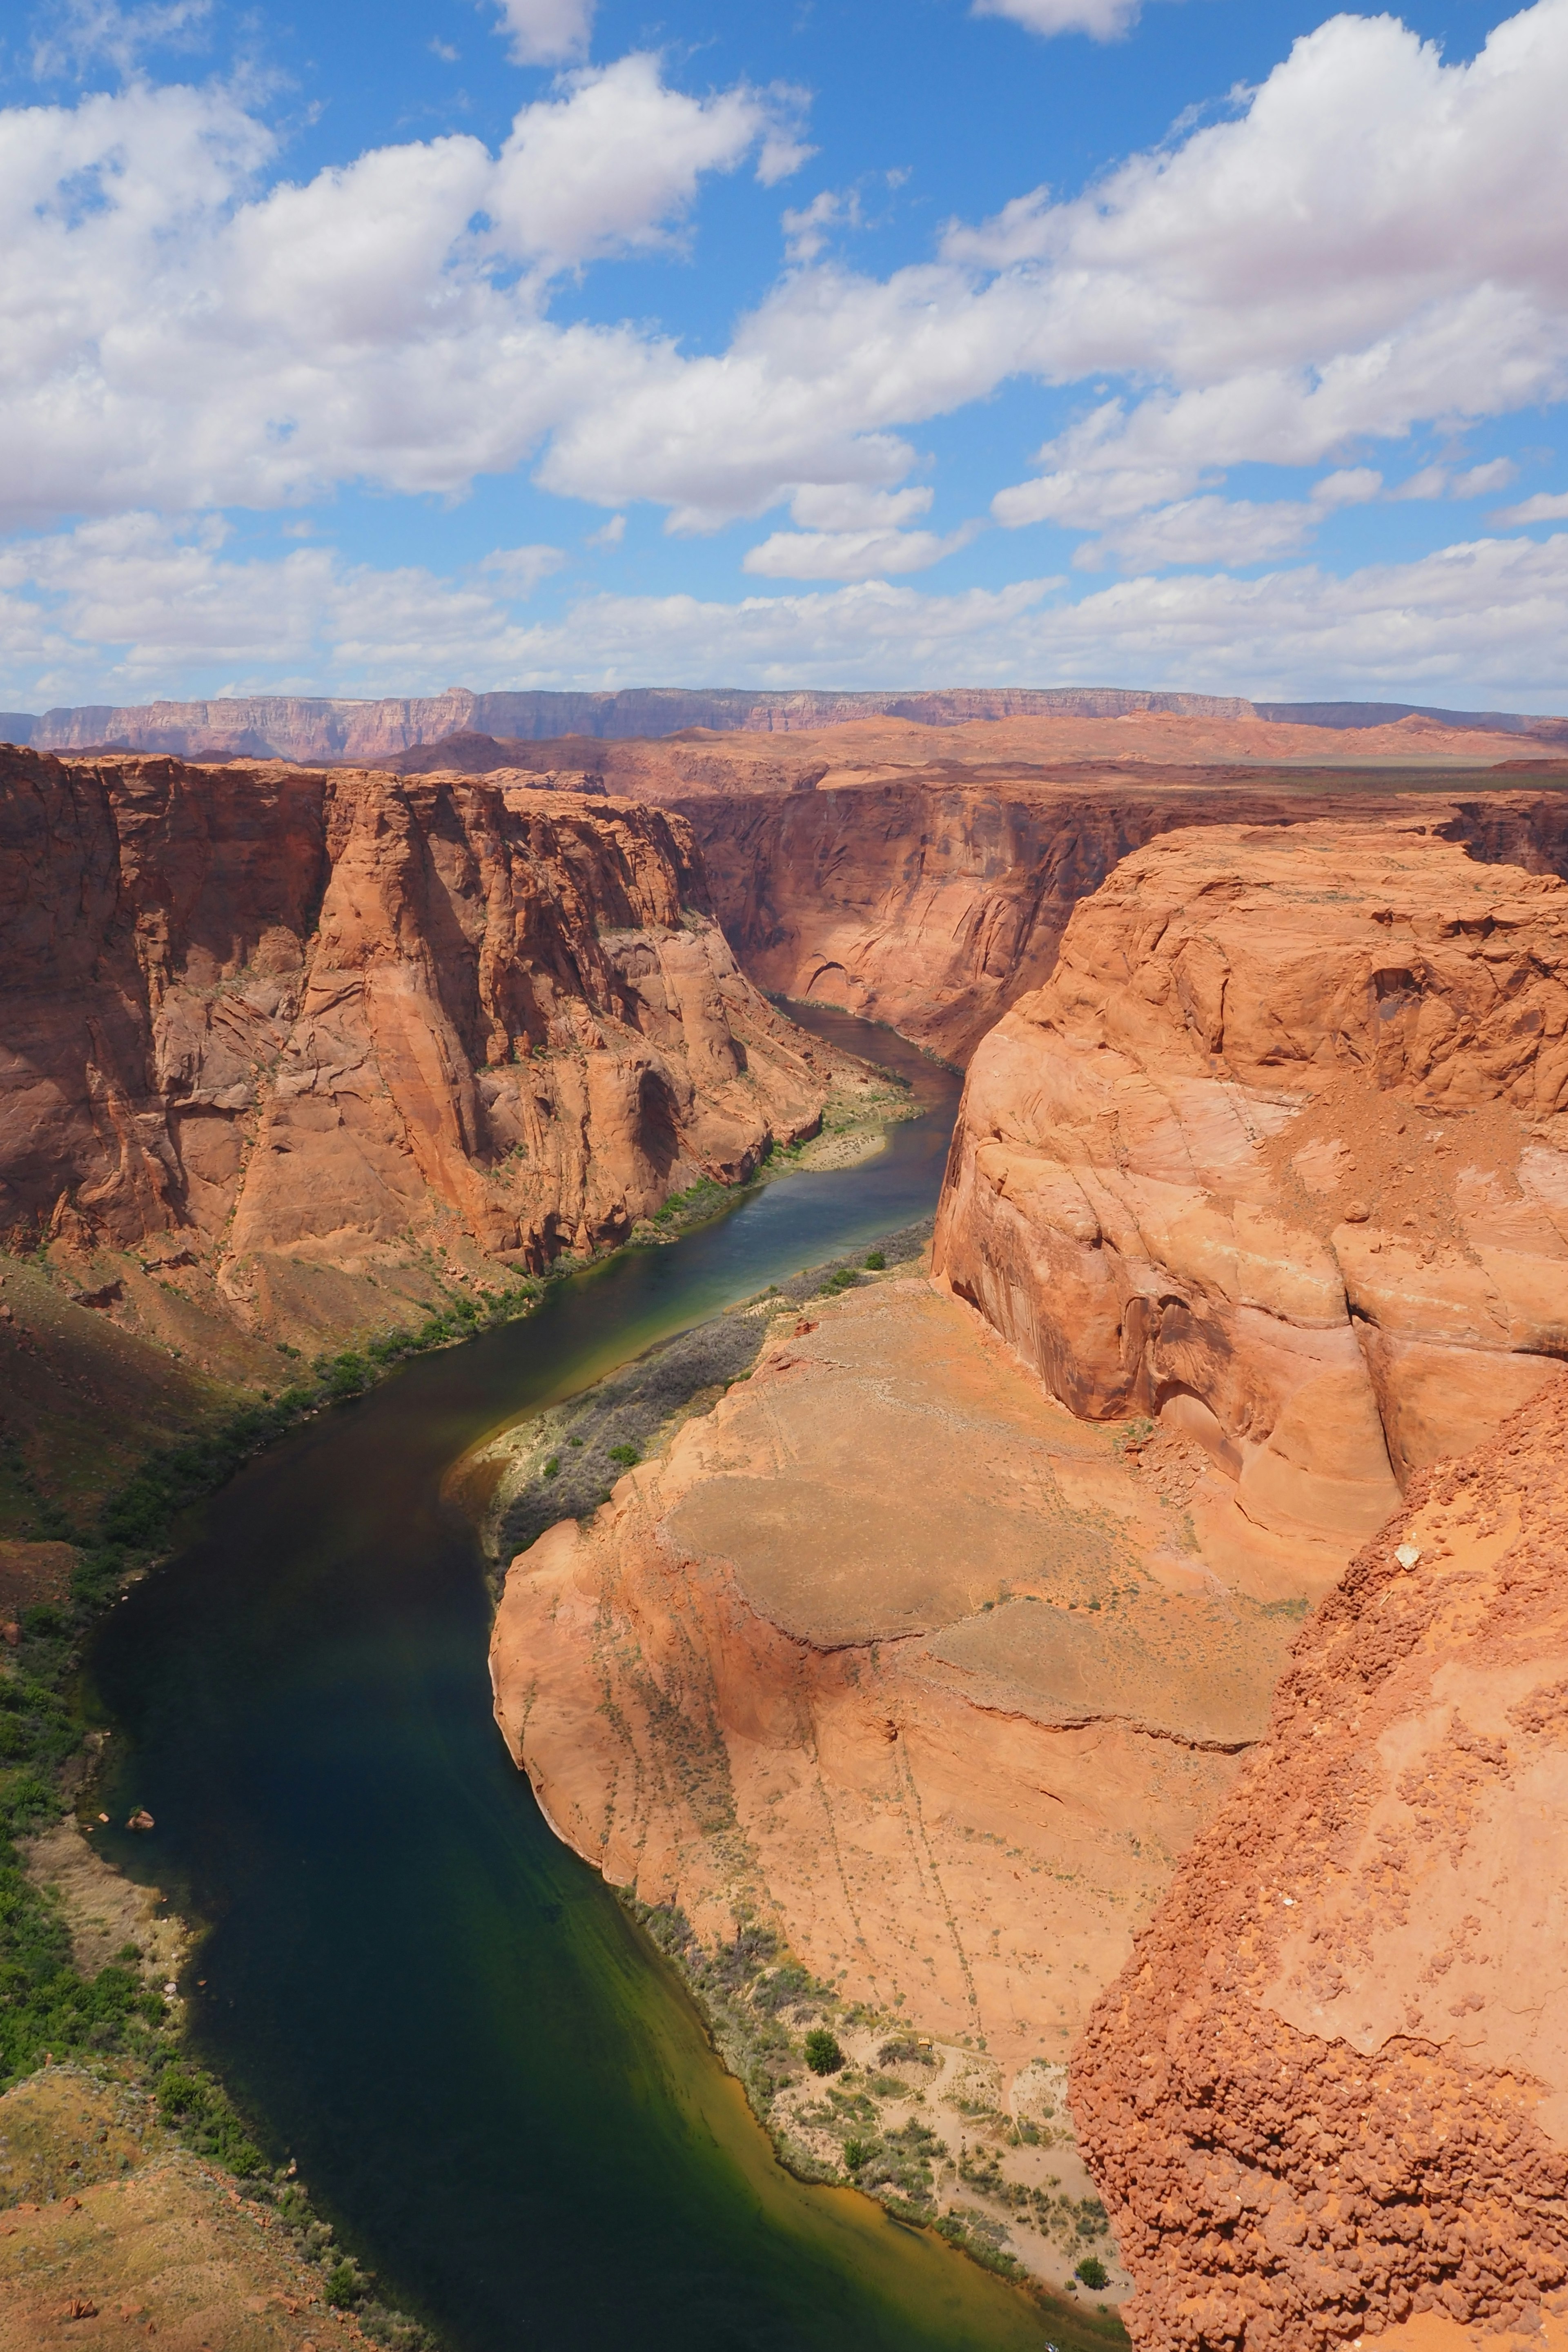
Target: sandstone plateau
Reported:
point(297, 727)
point(296, 1044)
point(1328, 2097)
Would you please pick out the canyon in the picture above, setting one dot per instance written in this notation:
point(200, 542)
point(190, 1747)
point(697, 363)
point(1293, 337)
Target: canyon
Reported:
point(1035, 1633)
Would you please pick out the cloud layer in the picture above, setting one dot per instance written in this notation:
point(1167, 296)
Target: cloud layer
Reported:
point(1368, 246)
point(170, 606)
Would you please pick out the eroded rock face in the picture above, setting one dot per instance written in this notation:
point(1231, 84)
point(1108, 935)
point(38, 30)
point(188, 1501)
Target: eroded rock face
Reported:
point(933, 902)
point(895, 1655)
point(1329, 2095)
point(1278, 1157)
point(265, 1022)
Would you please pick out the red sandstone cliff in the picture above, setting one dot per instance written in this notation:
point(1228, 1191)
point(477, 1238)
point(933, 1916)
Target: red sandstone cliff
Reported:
point(934, 904)
point(321, 1033)
point(1278, 1156)
point(1328, 2097)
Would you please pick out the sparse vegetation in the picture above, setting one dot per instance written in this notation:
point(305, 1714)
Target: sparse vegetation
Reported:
point(1091, 2272)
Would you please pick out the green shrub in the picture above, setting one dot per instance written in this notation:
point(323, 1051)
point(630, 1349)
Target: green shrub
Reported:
point(875, 1261)
point(1091, 2272)
point(626, 1455)
point(552, 1468)
point(857, 2153)
point(344, 2286)
point(823, 2054)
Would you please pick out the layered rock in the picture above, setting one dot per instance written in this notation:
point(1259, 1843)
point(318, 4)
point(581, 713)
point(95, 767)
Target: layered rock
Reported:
point(895, 1655)
point(1277, 1156)
point(291, 1031)
point(1328, 2097)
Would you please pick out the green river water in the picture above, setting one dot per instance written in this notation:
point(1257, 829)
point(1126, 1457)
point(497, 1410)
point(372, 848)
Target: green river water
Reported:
point(495, 2087)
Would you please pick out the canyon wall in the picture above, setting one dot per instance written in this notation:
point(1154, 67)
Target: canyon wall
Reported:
point(934, 906)
point(1278, 1157)
point(1328, 2097)
point(313, 1037)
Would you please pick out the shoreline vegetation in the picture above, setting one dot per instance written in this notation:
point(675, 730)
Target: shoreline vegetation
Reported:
point(118, 2026)
point(820, 2074)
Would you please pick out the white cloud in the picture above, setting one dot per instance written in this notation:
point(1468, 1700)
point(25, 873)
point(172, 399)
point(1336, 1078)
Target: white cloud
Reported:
point(610, 163)
point(1371, 243)
point(1546, 505)
point(1367, 246)
point(518, 570)
point(1431, 482)
point(851, 555)
point(125, 610)
point(1204, 530)
point(83, 33)
point(1104, 20)
point(806, 230)
point(610, 534)
point(1350, 487)
point(547, 32)
point(1480, 481)
point(846, 506)
point(176, 336)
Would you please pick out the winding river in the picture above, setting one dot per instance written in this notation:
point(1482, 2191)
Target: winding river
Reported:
point(494, 2086)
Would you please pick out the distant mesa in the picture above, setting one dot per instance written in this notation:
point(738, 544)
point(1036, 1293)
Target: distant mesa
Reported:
point(338, 729)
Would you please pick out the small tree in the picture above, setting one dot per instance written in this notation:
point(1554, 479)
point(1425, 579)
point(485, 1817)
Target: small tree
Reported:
point(1092, 2271)
point(823, 2054)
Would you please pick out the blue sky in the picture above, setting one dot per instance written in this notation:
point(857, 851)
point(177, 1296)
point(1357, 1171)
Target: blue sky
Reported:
point(1218, 343)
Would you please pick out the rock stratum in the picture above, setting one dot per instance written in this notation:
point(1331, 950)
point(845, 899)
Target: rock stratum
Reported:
point(1328, 2097)
point(1278, 1158)
point(297, 1044)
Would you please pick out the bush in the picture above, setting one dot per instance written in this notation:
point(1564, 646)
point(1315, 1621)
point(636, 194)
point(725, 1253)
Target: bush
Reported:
point(857, 2153)
point(552, 1468)
point(875, 1261)
point(823, 2054)
point(626, 1455)
point(344, 2286)
point(1091, 2272)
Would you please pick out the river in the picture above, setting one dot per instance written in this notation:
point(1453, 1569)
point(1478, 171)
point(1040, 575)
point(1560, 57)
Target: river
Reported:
point(494, 2088)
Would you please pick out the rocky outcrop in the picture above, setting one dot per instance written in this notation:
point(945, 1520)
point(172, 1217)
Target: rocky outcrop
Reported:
point(306, 1035)
point(1328, 2097)
point(934, 903)
point(1277, 1156)
point(892, 1652)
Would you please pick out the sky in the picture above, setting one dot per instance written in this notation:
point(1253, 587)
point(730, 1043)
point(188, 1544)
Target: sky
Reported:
point(379, 346)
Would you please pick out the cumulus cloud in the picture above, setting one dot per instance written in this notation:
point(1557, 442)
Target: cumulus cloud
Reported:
point(180, 335)
point(547, 32)
point(851, 555)
point(1370, 243)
